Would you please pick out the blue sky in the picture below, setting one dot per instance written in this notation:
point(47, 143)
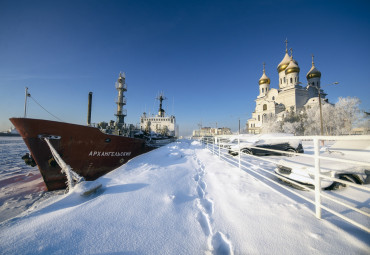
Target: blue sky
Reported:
point(206, 56)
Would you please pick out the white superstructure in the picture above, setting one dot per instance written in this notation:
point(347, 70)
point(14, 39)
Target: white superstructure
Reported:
point(160, 123)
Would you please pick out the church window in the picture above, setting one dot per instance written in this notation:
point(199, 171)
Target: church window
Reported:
point(265, 107)
point(281, 82)
point(284, 80)
point(262, 90)
point(258, 118)
point(273, 98)
point(291, 80)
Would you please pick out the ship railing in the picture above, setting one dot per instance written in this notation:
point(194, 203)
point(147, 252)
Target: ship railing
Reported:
point(348, 209)
point(121, 86)
point(121, 100)
point(122, 112)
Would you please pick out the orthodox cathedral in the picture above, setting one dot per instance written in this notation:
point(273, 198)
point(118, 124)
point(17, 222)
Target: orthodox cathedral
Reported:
point(290, 96)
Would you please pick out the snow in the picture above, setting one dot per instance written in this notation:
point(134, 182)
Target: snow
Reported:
point(178, 199)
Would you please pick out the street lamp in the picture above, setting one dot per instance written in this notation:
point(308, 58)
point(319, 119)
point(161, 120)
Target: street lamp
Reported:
point(319, 92)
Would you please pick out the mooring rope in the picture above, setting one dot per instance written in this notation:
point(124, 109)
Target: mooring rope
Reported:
point(72, 176)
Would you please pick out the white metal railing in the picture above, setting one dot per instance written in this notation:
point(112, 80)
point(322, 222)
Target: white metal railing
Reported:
point(121, 100)
point(121, 86)
point(218, 148)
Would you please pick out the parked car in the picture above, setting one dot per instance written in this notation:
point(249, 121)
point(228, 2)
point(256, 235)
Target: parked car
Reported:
point(301, 169)
point(227, 143)
point(257, 146)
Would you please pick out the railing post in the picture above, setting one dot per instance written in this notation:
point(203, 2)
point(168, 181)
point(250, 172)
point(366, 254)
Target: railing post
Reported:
point(317, 178)
point(213, 147)
point(239, 150)
point(219, 149)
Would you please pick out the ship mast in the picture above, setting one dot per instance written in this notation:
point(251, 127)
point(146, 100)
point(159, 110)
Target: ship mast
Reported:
point(25, 102)
point(161, 97)
point(121, 87)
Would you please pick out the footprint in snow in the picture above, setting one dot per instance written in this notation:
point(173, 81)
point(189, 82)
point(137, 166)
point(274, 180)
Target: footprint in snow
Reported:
point(221, 245)
point(207, 205)
point(200, 191)
point(204, 223)
point(203, 185)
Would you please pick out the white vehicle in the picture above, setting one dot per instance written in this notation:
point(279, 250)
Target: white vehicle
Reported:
point(234, 140)
point(301, 169)
point(256, 145)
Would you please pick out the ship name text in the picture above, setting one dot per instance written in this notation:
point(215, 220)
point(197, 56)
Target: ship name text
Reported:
point(109, 154)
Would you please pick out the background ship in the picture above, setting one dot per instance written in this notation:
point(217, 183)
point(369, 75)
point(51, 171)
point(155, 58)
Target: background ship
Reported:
point(88, 150)
point(159, 129)
point(10, 132)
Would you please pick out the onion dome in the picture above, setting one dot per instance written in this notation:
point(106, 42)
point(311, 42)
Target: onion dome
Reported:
point(264, 79)
point(313, 73)
point(293, 65)
point(284, 63)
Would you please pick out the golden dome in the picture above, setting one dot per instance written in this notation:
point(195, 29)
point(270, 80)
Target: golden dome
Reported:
point(284, 63)
point(264, 79)
point(293, 65)
point(313, 73)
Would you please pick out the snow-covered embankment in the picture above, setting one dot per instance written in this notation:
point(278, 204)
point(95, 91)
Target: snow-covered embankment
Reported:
point(178, 199)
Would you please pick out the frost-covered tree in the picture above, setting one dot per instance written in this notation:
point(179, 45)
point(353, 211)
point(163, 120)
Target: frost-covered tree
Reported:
point(338, 119)
point(347, 114)
point(271, 125)
point(293, 124)
point(311, 120)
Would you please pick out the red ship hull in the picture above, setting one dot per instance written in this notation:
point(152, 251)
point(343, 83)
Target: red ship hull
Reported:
point(87, 150)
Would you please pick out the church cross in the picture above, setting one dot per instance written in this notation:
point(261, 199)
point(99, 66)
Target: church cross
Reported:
point(286, 45)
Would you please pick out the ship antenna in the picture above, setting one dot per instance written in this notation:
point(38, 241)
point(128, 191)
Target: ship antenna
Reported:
point(161, 97)
point(173, 105)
